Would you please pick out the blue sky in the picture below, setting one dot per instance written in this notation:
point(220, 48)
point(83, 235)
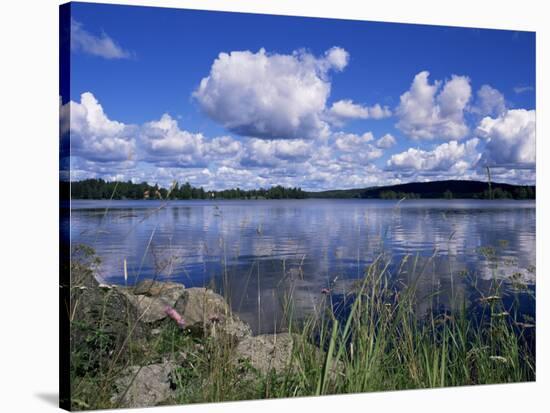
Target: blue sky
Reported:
point(229, 99)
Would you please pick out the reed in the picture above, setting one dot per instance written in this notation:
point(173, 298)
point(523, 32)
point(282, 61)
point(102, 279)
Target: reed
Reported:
point(375, 339)
point(378, 343)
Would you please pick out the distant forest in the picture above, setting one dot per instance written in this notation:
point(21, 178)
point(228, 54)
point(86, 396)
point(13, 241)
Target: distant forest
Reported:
point(100, 189)
point(451, 189)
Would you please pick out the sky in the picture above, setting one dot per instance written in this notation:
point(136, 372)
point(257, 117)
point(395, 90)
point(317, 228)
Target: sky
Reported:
point(226, 100)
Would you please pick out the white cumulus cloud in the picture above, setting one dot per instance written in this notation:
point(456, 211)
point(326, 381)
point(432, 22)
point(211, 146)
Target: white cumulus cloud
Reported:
point(450, 156)
point(93, 135)
point(164, 137)
point(510, 139)
point(336, 58)
point(260, 152)
point(270, 96)
point(489, 102)
point(165, 143)
point(386, 141)
point(350, 142)
point(430, 111)
point(357, 149)
point(347, 109)
point(225, 146)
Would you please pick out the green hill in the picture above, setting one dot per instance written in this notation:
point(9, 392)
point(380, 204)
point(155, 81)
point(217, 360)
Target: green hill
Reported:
point(436, 189)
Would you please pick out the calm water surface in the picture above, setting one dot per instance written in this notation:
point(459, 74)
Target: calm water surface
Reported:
point(257, 251)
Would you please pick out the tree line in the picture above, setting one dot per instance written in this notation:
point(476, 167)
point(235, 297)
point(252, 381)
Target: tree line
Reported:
point(523, 192)
point(101, 189)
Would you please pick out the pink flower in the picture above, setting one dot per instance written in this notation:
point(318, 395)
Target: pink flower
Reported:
point(174, 315)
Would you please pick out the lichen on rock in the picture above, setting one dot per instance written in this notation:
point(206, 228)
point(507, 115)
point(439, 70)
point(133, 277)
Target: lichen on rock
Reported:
point(150, 298)
point(144, 386)
point(207, 313)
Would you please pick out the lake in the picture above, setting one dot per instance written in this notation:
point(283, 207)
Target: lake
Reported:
point(256, 252)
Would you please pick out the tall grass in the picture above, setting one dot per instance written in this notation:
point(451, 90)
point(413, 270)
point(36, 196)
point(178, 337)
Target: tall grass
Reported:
point(381, 344)
point(377, 343)
point(376, 340)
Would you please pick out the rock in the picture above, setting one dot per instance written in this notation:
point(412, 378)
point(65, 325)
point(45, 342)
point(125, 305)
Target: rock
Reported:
point(153, 288)
point(266, 352)
point(144, 386)
point(150, 298)
point(200, 305)
point(102, 322)
point(148, 309)
point(83, 267)
point(274, 352)
point(235, 328)
point(206, 312)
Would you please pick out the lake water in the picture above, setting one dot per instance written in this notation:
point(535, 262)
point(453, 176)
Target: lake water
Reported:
point(257, 251)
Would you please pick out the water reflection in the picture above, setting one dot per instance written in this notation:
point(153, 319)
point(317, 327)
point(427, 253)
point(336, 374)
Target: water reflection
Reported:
point(260, 252)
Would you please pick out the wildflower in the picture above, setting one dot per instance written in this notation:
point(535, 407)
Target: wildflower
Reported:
point(174, 315)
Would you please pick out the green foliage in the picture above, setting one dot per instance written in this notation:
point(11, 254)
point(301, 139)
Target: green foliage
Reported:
point(381, 343)
point(524, 192)
point(100, 189)
point(433, 190)
point(521, 193)
point(398, 195)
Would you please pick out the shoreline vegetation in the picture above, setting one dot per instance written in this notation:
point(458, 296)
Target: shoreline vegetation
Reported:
point(161, 343)
point(452, 189)
point(150, 342)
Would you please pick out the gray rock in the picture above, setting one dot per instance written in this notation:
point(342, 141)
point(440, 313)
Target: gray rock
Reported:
point(206, 312)
point(103, 322)
point(150, 298)
point(266, 352)
point(153, 288)
point(144, 386)
point(234, 328)
point(274, 352)
point(201, 305)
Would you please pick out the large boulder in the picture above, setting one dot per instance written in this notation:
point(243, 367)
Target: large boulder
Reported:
point(207, 313)
point(204, 312)
point(103, 322)
point(273, 352)
point(150, 298)
point(266, 352)
point(144, 386)
point(154, 288)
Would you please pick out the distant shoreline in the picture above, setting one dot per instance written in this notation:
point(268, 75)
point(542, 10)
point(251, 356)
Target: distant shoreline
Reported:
point(98, 189)
point(295, 199)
